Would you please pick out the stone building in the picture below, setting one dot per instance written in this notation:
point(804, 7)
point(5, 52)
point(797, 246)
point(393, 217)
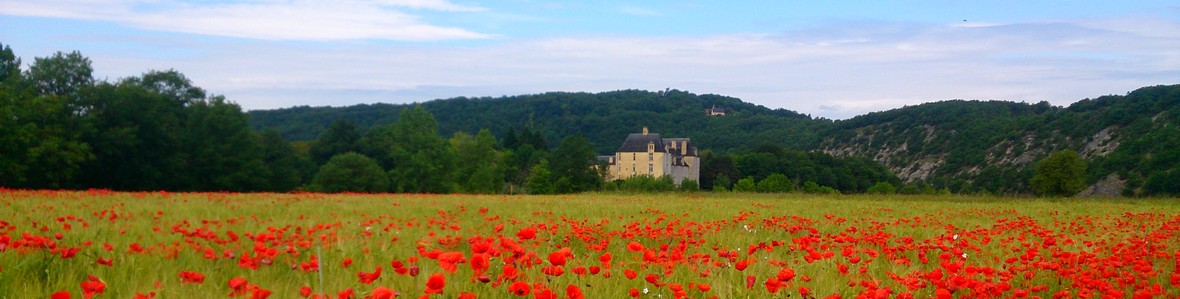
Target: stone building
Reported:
point(649, 154)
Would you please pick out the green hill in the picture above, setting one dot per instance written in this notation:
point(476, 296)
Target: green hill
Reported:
point(603, 118)
point(966, 146)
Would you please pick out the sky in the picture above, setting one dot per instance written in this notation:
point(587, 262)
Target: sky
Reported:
point(831, 59)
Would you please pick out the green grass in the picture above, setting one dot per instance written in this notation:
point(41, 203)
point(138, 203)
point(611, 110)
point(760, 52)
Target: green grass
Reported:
point(726, 221)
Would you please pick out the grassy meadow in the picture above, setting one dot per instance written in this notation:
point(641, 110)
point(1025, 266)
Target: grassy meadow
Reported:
point(676, 245)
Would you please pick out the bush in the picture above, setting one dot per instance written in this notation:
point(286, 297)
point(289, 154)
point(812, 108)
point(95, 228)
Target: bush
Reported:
point(745, 185)
point(689, 185)
point(644, 183)
point(814, 188)
point(776, 183)
point(721, 183)
point(882, 188)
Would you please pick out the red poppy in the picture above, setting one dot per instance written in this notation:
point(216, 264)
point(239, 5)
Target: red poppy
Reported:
point(92, 286)
point(558, 258)
point(466, 295)
point(238, 286)
point(630, 274)
point(60, 295)
point(704, 287)
point(367, 278)
point(942, 294)
point(635, 247)
point(773, 284)
point(541, 293)
point(345, 294)
point(527, 233)
point(519, 288)
point(448, 260)
point(574, 292)
point(435, 283)
point(742, 265)
point(191, 277)
point(384, 293)
point(654, 279)
point(480, 263)
point(260, 293)
point(786, 274)
point(305, 291)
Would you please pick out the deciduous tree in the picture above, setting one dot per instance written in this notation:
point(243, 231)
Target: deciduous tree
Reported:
point(1062, 173)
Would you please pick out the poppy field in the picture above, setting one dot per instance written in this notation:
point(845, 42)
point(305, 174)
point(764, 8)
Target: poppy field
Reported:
point(102, 244)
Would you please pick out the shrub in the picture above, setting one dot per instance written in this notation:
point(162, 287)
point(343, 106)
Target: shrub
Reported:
point(350, 172)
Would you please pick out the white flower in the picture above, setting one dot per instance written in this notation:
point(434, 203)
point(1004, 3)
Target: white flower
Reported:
point(956, 237)
point(964, 255)
point(645, 290)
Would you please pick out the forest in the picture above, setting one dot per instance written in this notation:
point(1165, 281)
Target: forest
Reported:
point(962, 146)
point(64, 129)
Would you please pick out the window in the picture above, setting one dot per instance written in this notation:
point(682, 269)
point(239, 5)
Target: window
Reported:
point(632, 156)
point(650, 169)
point(651, 156)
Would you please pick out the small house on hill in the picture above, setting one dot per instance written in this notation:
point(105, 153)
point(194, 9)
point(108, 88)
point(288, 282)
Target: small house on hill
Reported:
point(715, 111)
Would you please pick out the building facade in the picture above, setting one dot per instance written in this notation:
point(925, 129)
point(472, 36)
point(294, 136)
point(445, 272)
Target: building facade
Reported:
point(649, 154)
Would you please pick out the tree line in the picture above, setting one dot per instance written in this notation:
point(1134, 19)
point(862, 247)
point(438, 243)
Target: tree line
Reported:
point(63, 129)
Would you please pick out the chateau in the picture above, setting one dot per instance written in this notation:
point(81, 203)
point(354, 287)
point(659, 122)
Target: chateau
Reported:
point(648, 154)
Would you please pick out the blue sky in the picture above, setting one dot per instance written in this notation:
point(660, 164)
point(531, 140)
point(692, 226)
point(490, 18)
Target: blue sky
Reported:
point(833, 59)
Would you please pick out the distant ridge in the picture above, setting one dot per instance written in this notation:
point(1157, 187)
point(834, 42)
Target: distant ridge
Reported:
point(1129, 140)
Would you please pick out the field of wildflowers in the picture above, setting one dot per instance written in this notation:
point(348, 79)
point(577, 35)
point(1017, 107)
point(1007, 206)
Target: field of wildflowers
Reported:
point(101, 244)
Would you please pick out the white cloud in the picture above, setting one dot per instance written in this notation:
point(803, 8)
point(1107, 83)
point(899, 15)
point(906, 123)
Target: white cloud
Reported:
point(268, 20)
point(838, 71)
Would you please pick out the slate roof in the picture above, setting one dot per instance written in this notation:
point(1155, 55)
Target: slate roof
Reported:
point(692, 149)
point(637, 143)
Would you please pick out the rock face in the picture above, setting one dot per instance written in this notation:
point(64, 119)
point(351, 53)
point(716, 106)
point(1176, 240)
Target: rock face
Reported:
point(1101, 144)
point(1111, 186)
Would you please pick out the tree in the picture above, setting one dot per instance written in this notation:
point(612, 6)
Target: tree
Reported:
point(1062, 173)
point(9, 64)
point(423, 159)
point(223, 153)
point(378, 144)
point(341, 137)
point(351, 172)
point(540, 180)
point(479, 164)
point(61, 74)
point(40, 133)
point(283, 164)
point(573, 165)
point(136, 135)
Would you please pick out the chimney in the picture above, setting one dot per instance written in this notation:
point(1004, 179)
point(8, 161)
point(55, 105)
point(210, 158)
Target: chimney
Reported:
point(644, 131)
